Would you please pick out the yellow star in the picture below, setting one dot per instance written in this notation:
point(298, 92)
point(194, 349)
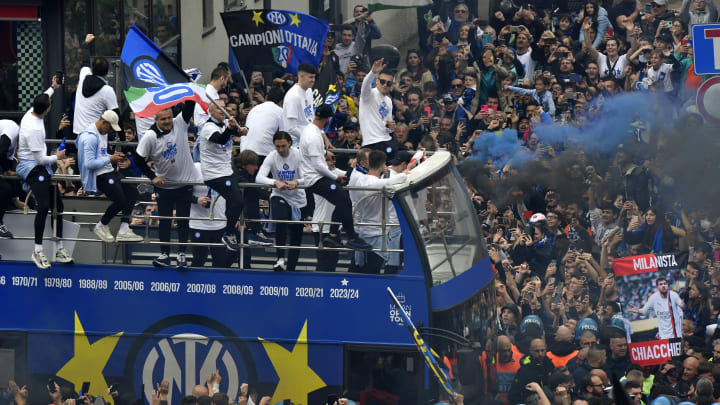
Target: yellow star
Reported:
point(89, 361)
point(294, 20)
point(257, 18)
point(297, 379)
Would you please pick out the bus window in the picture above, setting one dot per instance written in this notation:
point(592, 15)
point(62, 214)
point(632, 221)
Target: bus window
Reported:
point(448, 225)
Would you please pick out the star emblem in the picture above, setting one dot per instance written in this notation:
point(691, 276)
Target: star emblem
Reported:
point(257, 18)
point(296, 378)
point(89, 360)
point(344, 282)
point(294, 20)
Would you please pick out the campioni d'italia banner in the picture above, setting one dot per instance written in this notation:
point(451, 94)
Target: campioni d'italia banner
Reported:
point(275, 40)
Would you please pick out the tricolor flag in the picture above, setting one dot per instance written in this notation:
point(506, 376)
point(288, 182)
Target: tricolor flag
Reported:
point(152, 82)
point(375, 5)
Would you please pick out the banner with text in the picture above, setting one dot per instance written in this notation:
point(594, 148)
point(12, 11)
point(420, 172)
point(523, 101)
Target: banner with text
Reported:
point(276, 40)
point(652, 309)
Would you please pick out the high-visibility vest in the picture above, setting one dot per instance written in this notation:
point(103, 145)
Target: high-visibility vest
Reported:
point(559, 361)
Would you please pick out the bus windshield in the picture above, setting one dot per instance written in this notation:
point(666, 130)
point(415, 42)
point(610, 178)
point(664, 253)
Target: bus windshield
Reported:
point(448, 230)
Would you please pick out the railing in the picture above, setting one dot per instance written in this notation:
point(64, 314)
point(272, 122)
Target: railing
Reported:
point(142, 180)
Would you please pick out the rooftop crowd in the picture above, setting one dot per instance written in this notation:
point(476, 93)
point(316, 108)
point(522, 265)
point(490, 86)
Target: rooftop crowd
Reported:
point(575, 129)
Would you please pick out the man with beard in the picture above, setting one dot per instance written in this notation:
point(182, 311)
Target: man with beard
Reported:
point(667, 306)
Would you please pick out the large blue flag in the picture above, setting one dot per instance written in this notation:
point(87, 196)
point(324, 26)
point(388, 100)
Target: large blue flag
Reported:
point(277, 40)
point(151, 81)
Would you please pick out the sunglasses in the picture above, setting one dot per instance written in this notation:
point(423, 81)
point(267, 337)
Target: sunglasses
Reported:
point(456, 86)
point(385, 82)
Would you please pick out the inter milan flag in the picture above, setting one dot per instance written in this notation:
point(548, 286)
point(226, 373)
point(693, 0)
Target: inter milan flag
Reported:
point(151, 81)
point(275, 40)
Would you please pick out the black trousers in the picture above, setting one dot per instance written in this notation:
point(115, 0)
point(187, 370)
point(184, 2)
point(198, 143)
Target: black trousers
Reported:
point(333, 192)
point(281, 210)
point(47, 197)
point(6, 195)
point(388, 147)
point(228, 188)
point(327, 260)
point(122, 195)
point(180, 200)
point(200, 253)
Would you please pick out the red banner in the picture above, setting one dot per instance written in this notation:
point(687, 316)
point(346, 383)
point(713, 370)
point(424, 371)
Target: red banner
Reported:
point(650, 263)
point(655, 351)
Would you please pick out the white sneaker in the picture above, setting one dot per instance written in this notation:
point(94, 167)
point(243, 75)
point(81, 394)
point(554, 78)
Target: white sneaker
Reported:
point(103, 232)
point(63, 256)
point(280, 265)
point(128, 236)
point(40, 260)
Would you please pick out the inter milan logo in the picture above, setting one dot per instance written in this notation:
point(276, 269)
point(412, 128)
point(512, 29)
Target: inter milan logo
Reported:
point(285, 166)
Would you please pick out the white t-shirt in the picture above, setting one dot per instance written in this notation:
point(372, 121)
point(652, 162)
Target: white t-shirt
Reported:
point(170, 153)
point(284, 169)
point(662, 75)
point(312, 146)
point(375, 111)
point(10, 129)
point(661, 308)
point(90, 109)
point(263, 122)
point(370, 210)
point(324, 209)
point(298, 111)
point(198, 211)
point(31, 136)
point(199, 116)
point(609, 69)
point(216, 159)
point(528, 63)
point(344, 53)
point(102, 149)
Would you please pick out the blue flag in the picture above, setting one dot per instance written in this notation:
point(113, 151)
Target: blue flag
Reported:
point(276, 40)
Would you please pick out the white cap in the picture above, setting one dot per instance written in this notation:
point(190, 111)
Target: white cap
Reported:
point(112, 117)
point(537, 218)
point(660, 2)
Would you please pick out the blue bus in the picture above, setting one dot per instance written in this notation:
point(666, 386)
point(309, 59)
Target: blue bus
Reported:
point(294, 336)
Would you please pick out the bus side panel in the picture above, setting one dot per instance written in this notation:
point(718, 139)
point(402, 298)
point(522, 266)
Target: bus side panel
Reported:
point(138, 326)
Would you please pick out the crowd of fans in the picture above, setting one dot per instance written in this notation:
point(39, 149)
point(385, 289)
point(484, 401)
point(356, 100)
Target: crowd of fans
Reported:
point(575, 130)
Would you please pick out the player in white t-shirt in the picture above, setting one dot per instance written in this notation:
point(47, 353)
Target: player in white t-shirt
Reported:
point(298, 108)
point(205, 230)
point(166, 144)
point(286, 200)
point(320, 180)
point(326, 259)
point(9, 132)
point(34, 168)
point(376, 118)
point(98, 175)
point(263, 122)
point(369, 209)
point(93, 95)
point(215, 140)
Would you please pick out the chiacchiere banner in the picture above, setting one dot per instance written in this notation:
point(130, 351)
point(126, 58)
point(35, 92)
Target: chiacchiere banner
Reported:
point(652, 309)
point(275, 40)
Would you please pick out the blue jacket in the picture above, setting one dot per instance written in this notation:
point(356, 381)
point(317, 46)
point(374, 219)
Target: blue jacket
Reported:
point(545, 100)
point(90, 158)
point(603, 25)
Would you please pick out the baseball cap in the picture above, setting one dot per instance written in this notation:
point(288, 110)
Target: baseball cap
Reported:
point(112, 117)
point(324, 111)
point(350, 126)
point(660, 2)
point(513, 308)
point(401, 157)
point(449, 98)
point(665, 36)
point(537, 217)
